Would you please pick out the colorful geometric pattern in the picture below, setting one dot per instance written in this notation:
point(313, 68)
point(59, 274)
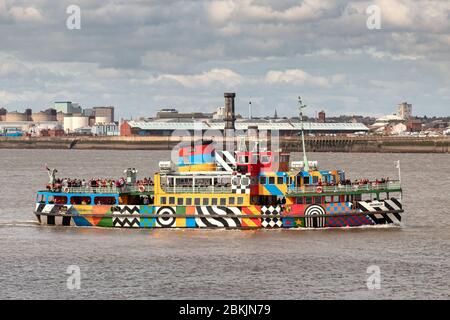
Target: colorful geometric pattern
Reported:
point(348, 221)
point(339, 207)
point(251, 222)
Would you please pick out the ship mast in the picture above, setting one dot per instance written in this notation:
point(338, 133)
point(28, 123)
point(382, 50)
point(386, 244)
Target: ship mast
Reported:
point(305, 158)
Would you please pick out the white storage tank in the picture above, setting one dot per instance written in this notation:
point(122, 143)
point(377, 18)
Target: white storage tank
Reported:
point(68, 126)
point(79, 122)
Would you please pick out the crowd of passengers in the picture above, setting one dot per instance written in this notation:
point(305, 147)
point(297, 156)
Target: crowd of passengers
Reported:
point(360, 182)
point(60, 184)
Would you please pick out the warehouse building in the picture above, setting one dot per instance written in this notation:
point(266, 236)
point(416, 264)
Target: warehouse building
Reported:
point(284, 127)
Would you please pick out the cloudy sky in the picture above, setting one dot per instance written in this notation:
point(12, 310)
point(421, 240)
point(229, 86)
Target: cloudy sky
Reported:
point(141, 56)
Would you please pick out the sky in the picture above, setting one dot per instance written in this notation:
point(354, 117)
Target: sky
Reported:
point(141, 56)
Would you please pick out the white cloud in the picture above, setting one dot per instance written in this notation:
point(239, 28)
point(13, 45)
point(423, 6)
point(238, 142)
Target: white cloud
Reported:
point(224, 77)
point(25, 14)
point(298, 77)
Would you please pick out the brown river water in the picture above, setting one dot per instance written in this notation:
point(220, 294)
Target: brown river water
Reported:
point(414, 259)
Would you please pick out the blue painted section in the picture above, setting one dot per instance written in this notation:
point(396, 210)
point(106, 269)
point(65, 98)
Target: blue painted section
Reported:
point(190, 223)
point(48, 194)
point(81, 221)
point(196, 159)
point(273, 190)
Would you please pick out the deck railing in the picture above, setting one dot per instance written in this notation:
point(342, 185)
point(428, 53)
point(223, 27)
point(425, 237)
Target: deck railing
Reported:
point(371, 186)
point(104, 190)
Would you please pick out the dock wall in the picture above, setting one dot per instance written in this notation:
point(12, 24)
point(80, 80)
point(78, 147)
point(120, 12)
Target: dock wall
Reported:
point(370, 144)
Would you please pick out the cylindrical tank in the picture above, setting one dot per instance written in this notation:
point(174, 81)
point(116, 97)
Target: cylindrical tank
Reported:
point(68, 126)
point(41, 116)
point(16, 116)
point(79, 122)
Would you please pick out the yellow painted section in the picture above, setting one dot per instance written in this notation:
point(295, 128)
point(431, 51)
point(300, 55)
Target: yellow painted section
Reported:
point(198, 167)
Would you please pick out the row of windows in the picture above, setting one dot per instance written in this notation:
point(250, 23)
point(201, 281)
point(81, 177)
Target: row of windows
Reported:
point(84, 200)
point(331, 199)
point(201, 201)
point(271, 180)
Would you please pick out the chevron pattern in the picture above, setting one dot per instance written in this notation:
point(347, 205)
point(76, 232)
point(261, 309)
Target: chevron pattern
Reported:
point(126, 222)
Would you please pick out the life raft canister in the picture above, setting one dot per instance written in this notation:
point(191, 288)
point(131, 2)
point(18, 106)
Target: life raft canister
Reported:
point(319, 189)
point(141, 188)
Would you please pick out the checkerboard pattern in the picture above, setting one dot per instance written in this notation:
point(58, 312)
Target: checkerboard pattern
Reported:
point(338, 208)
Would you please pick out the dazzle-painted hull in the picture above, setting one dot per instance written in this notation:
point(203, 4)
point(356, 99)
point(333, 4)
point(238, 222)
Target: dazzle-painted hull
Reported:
point(365, 213)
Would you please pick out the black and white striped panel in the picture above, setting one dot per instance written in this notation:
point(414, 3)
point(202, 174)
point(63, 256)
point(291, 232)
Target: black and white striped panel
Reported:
point(204, 219)
point(381, 211)
point(128, 221)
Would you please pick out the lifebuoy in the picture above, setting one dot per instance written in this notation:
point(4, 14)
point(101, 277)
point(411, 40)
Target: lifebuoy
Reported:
point(141, 188)
point(66, 189)
point(319, 189)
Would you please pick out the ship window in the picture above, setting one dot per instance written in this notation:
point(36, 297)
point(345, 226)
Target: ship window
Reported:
point(80, 200)
point(243, 159)
point(231, 200)
point(223, 201)
point(328, 199)
point(180, 201)
point(265, 159)
point(308, 200)
point(254, 158)
point(280, 180)
point(171, 200)
point(188, 201)
point(62, 200)
point(315, 180)
point(357, 197)
point(197, 201)
point(271, 180)
point(300, 200)
point(305, 180)
point(40, 198)
point(317, 200)
point(205, 201)
point(245, 181)
point(162, 200)
point(240, 200)
point(367, 197)
point(214, 201)
point(104, 200)
point(262, 180)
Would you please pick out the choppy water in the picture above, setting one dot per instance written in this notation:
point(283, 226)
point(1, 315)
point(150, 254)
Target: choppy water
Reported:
point(286, 264)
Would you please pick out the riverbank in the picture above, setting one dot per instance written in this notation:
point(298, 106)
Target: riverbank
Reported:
point(370, 144)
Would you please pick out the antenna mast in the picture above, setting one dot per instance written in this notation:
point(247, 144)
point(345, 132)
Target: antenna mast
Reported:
point(305, 158)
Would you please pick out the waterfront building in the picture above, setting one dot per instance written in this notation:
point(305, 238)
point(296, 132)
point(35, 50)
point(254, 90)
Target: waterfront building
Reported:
point(404, 110)
point(103, 114)
point(286, 127)
point(67, 107)
point(105, 129)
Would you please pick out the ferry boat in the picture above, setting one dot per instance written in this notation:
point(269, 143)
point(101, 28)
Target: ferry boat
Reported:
point(209, 188)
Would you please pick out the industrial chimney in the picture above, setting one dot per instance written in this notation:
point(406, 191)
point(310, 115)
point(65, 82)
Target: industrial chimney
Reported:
point(229, 110)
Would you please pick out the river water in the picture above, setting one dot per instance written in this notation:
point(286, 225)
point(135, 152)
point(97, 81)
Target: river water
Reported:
point(414, 260)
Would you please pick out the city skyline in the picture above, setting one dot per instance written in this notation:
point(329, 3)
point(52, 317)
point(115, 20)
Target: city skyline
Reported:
point(141, 57)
